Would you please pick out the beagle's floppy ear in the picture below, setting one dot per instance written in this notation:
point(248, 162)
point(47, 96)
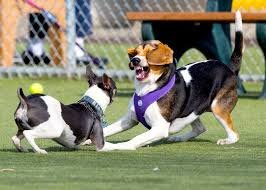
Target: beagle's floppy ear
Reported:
point(161, 55)
point(131, 53)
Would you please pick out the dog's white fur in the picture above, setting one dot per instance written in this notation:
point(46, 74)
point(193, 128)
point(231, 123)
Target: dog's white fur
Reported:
point(232, 137)
point(55, 127)
point(160, 128)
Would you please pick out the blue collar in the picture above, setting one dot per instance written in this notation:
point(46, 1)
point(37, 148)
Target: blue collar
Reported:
point(93, 106)
point(141, 103)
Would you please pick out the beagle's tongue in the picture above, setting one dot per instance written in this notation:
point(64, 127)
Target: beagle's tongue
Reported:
point(140, 73)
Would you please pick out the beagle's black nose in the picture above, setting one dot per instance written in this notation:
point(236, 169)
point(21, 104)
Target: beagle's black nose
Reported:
point(135, 61)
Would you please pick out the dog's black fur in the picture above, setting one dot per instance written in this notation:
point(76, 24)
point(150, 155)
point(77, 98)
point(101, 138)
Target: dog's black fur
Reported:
point(83, 122)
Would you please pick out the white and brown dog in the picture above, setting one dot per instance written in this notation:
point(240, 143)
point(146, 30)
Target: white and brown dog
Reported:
point(166, 99)
point(41, 116)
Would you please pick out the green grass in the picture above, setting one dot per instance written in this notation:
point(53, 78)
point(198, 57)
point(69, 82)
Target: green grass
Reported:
point(198, 164)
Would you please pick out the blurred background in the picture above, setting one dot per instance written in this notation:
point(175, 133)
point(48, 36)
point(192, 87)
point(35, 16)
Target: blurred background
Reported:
point(31, 44)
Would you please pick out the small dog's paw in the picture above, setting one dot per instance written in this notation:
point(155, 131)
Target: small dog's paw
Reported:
point(87, 142)
point(16, 142)
point(41, 151)
point(226, 141)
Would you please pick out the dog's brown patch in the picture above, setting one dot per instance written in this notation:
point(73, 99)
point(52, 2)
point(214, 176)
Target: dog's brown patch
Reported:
point(157, 69)
point(156, 52)
point(131, 52)
point(226, 100)
point(161, 55)
point(166, 104)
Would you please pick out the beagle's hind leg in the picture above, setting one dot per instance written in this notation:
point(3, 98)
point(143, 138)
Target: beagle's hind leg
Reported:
point(197, 129)
point(222, 107)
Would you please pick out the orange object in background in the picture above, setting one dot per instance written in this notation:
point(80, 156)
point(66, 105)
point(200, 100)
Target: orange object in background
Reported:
point(10, 12)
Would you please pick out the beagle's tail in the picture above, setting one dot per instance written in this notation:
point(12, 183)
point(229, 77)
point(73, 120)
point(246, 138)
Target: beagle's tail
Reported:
point(236, 56)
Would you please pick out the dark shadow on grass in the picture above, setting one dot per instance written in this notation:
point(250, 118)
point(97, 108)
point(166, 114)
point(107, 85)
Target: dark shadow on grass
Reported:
point(189, 141)
point(167, 142)
point(92, 147)
point(60, 149)
point(8, 150)
point(49, 149)
point(118, 141)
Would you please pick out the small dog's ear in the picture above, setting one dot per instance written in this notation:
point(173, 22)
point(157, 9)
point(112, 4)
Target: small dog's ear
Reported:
point(161, 55)
point(106, 81)
point(90, 76)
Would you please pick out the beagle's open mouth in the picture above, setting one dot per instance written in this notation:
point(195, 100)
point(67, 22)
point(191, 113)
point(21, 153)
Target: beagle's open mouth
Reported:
point(141, 72)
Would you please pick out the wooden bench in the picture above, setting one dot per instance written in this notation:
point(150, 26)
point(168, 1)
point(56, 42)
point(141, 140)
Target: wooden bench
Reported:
point(210, 30)
point(213, 17)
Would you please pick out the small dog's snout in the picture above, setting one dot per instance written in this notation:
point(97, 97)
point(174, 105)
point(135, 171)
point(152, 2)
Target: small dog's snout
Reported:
point(135, 61)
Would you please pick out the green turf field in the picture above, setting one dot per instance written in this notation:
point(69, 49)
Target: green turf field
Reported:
point(199, 164)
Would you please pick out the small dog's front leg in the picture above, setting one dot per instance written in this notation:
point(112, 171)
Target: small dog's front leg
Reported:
point(30, 138)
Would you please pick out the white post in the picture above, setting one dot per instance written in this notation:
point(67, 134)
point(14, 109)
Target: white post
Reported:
point(70, 36)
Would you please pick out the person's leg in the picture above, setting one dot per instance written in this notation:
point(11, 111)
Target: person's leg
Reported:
point(35, 48)
point(84, 29)
point(83, 24)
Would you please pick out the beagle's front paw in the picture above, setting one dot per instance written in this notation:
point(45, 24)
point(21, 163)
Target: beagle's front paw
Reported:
point(107, 147)
point(119, 146)
point(125, 146)
point(227, 141)
point(41, 151)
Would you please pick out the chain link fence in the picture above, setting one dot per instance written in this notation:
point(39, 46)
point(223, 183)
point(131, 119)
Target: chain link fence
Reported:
point(57, 37)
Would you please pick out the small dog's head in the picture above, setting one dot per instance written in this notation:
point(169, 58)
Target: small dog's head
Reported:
point(149, 57)
point(104, 82)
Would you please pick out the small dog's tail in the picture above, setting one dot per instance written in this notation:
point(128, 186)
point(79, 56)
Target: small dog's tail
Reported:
point(236, 56)
point(21, 112)
point(22, 98)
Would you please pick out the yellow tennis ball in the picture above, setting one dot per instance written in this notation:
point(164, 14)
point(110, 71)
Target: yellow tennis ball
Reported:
point(36, 88)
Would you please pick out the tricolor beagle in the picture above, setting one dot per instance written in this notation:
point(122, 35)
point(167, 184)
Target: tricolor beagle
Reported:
point(166, 99)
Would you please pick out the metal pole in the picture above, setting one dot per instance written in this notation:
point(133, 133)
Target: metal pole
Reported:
point(70, 36)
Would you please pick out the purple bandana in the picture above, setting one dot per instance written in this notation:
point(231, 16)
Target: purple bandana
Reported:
point(141, 103)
